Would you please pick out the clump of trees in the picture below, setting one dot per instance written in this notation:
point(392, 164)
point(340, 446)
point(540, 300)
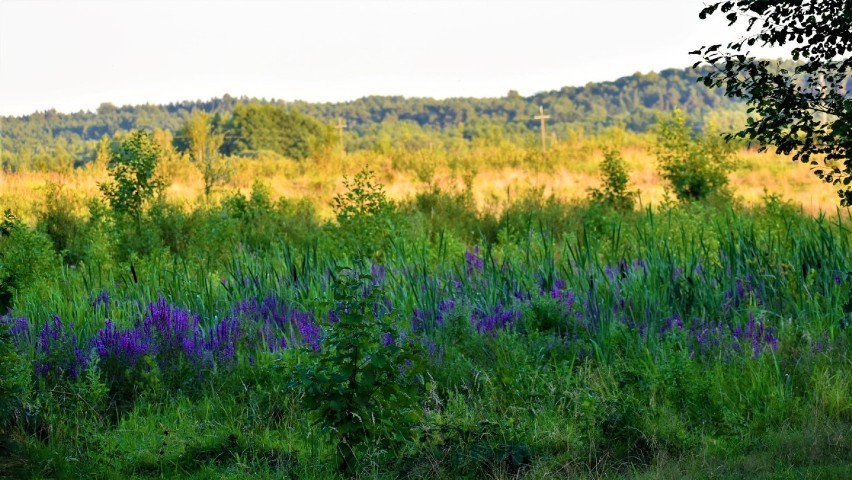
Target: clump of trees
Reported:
point(254, 127)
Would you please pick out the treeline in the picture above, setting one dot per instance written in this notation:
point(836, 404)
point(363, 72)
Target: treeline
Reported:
point(54, 141)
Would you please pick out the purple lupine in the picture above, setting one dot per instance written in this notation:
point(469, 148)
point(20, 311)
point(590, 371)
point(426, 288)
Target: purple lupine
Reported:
point(128, 345)
point(388, 339)
point(20, 329)
point(221, 340)
point(58, 352)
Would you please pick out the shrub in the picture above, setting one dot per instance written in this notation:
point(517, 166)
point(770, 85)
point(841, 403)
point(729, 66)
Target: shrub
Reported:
point(15, 380)
point(614, 192)
point(696, 166)
point(364, 215)
point(26, 257)
point(132, 167)
point(65, 229)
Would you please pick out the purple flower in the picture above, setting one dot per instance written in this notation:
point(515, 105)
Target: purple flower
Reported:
point(308, 330)
point(378, 274)
point(672, 323)
point(418, 320)
point(473, 262)
point(101, 299)
point(499, 318)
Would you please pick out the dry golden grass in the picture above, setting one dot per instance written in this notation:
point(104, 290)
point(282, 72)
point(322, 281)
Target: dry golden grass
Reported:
point(496, 174)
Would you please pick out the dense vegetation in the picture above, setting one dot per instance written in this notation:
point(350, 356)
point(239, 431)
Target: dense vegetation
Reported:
point(426, 338)
point(238, 335)
point(58, 141)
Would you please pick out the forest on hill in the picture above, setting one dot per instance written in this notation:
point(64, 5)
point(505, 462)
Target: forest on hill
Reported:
point(51, 140)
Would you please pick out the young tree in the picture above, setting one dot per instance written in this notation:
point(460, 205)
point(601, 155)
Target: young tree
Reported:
point(805, 109)
point(203, 145)
point(132, 166)
point(695, 165)
point(614, 191)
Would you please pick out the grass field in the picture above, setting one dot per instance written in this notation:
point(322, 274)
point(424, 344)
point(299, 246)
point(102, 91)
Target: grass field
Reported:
point(506, 326)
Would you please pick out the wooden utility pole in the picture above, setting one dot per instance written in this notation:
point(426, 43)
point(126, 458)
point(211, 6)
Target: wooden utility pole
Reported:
point(340, 126)
point(541, 116)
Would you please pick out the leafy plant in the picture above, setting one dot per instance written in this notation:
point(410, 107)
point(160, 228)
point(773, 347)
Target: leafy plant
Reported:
point(203, 142)
point(614, 191)
point(15, 380)
point(696, 166)
point(132, 167)
point(26, 257)
point(364, 382)
point(364, 214)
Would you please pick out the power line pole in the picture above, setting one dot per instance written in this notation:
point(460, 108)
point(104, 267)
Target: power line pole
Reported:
point(541, 116)
point(340, 126)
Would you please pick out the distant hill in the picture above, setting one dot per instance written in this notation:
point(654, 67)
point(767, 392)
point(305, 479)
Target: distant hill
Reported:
point(633, 102)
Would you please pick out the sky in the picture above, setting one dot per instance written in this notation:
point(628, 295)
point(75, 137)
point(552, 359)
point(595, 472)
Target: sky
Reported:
point(74, 55)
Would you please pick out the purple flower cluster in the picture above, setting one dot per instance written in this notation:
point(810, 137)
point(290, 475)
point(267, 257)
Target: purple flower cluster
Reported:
point(101, 299)
point(472, 261)
point(498, 318)
point(744, 288)
point(707, 338)
point(57, 352)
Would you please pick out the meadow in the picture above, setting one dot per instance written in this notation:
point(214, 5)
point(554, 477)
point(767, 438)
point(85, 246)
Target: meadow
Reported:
point(436, 313)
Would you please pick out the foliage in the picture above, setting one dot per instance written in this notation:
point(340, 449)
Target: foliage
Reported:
point(364, 215)
point(694, 165)
point(614, 191)
point(254, 127)
point(26, 258)
point(15, 380)
point(363, 384)
point(132, 167)
point(376, 123)
point(203, 144)
point(806, 108)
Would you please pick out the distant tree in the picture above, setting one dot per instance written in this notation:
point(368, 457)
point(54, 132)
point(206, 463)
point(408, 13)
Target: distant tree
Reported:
point(805, 109)
point(203, 145)
point(255, 126)
point(132, 167)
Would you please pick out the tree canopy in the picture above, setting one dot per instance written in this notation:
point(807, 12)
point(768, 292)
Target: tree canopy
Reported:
point(633, 102)
point(805, 108)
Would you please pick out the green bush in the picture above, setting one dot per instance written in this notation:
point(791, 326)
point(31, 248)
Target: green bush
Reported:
point(14, 381)
point(365, 216)
point(614, 192)
point(26, 257)
point(696, 166)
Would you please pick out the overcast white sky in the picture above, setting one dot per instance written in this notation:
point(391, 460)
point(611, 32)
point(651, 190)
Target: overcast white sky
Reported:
point(74, 55)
